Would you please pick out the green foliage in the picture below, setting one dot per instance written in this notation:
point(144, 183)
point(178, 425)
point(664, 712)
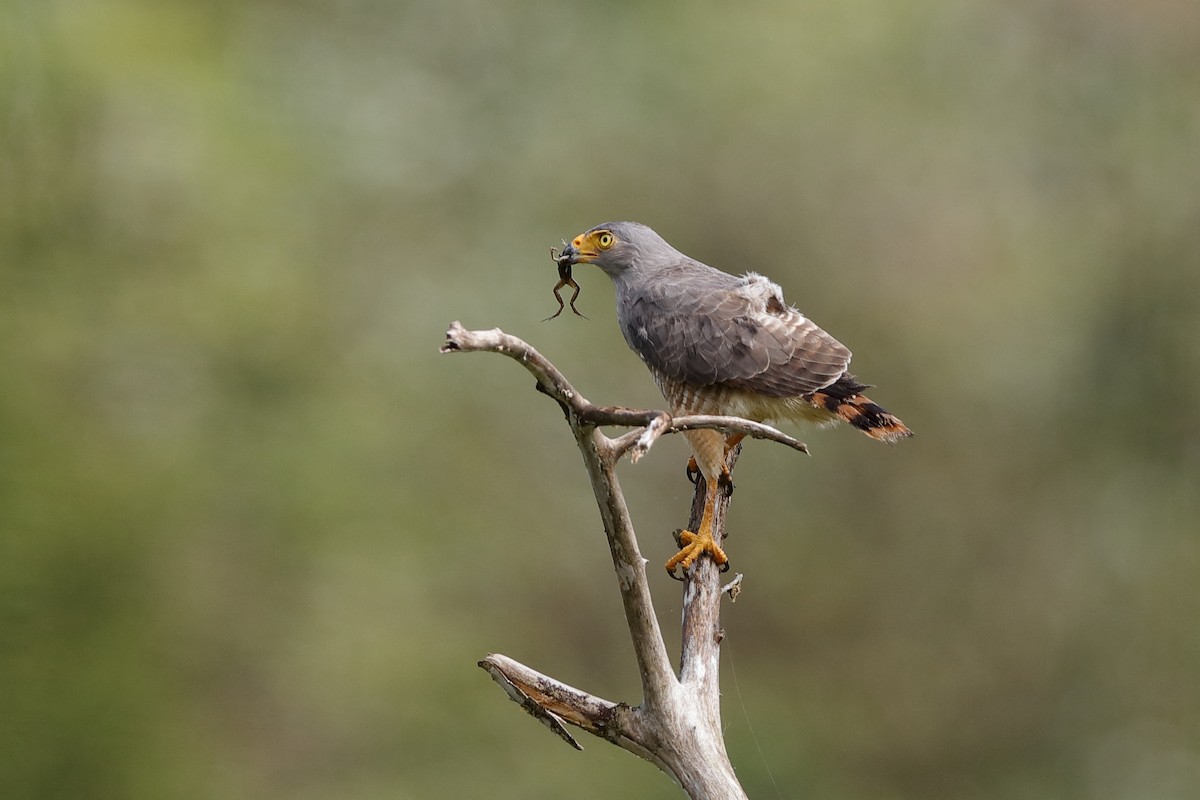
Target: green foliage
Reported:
point(255, 533)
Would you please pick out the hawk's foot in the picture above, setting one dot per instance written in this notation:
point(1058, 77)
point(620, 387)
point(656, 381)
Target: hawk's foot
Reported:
point(694, 545)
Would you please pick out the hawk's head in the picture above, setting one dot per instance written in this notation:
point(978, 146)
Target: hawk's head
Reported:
point(618, 246)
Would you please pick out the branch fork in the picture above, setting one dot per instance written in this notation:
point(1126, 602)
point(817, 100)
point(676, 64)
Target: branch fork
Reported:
point(678, 725)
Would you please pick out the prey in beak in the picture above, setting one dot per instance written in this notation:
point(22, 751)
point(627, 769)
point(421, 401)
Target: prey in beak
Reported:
point(565, 260)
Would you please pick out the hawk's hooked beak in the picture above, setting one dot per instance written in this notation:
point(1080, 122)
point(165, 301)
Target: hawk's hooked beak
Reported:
point(579, 251)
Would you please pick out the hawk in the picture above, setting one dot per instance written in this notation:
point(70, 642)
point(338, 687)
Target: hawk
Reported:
point(721, 344)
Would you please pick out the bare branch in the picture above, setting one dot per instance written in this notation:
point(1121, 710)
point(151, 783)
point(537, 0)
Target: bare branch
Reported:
point(654, 665)
point(552, 382)
point(538, 704)
point(553, 702)
point(700, 655)
point(594, 714)
point(643, 440)
point(638, 442)
point(678, 725)
point(619, 415)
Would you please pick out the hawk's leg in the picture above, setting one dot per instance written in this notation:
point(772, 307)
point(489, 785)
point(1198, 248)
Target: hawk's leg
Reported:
point(694, 545)
point(693, 471)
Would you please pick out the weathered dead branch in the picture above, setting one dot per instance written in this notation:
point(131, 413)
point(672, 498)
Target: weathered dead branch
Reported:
point(678, 724)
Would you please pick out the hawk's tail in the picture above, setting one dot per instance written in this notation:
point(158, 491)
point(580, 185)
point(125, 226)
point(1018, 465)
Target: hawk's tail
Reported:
point(864, 414)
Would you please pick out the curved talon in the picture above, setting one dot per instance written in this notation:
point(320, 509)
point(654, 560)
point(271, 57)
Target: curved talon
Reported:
point(693, 471)
point(725, 483)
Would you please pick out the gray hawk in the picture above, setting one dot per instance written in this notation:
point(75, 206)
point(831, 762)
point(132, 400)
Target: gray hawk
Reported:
point(722, 344)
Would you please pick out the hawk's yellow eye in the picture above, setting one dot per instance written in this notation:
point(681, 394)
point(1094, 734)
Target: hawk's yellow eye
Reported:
point(605, 240)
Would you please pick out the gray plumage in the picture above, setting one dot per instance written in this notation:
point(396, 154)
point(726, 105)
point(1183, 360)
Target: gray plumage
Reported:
point(720, 344)
point(697, 325)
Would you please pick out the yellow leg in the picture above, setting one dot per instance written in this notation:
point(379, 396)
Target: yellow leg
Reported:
point(702, 541)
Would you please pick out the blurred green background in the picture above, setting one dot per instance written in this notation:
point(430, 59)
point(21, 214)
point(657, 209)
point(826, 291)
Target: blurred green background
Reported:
point(256, 532)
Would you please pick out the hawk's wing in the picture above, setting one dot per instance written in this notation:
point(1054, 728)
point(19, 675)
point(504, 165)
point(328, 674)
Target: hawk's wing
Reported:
point(701, 326)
